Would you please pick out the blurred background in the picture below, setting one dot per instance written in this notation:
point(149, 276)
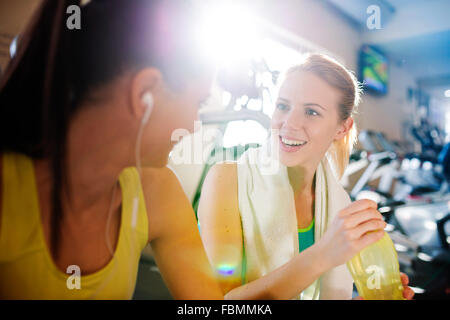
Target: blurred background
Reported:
point(398, 49)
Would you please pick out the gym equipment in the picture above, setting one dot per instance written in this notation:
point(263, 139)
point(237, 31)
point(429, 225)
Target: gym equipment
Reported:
point(402, 176)
point(381, 164)
point(416, 211)
point(427, 226)
point(430, 137)
point(358, 161)
point(427, 168)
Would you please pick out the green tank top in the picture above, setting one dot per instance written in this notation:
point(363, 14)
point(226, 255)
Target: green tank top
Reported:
point(306, 237)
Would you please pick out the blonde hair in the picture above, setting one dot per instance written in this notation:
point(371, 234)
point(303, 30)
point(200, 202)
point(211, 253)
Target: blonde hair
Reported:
point(337, 76)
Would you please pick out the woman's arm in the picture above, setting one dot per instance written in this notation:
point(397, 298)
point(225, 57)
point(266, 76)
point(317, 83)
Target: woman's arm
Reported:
point(222, 236)
point(220, 224)
point(174, 238)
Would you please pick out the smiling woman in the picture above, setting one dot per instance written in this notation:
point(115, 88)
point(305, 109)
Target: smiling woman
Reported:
point(253, 221)
point(335, 93)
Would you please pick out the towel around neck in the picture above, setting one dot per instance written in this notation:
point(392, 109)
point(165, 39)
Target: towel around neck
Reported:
point(269, 221)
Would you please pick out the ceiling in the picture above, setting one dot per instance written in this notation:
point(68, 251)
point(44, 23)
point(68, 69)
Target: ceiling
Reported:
point(415, 34)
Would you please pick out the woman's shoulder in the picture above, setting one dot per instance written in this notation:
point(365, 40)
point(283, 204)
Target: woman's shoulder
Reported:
point(162, 177)
point(164, 198)
point(161, 185)
point(222, 171)
point(219, 190)
point(220, 182)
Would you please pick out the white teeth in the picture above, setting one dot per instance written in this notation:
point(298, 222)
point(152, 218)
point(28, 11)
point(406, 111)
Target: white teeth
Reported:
point(292, 142)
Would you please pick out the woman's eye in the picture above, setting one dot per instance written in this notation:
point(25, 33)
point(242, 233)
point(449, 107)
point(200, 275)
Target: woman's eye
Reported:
point(311, 112)
point(282, 106)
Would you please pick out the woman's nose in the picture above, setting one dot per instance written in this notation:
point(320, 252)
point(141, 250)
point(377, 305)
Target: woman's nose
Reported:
point(294, 119)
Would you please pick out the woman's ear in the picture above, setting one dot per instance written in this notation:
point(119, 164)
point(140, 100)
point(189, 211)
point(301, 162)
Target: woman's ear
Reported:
point(146, 80)
point(344, 128)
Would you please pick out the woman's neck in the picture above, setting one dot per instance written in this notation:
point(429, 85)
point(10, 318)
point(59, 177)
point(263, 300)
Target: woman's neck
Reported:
point(302, 181)
point(98, 149)
point(303, 186)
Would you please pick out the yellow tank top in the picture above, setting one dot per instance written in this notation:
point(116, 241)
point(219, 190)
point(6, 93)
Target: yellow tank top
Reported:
point(27, 270)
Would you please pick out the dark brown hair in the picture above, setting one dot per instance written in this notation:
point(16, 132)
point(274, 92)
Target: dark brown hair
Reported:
point(56, 69)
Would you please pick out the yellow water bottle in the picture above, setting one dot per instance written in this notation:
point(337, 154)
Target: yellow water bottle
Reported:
point(375, 271)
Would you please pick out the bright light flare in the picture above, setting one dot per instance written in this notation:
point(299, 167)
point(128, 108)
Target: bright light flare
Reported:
point(228, 33)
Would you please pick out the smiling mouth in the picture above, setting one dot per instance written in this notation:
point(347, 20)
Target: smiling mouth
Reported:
point(291, 145)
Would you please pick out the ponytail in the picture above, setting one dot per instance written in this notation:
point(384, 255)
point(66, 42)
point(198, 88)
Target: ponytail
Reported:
point(340, 150)
point(34, 99)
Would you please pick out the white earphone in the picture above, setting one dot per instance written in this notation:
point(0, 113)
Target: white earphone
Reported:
point(147, 99)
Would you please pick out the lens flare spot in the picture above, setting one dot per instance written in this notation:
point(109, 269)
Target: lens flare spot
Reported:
point(226, 270)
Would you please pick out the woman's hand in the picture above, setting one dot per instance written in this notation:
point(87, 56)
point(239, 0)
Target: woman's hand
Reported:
point(408, 293)
point(350, 232)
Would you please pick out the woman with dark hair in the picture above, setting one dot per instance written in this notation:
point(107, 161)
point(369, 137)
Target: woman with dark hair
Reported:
point(79, 110)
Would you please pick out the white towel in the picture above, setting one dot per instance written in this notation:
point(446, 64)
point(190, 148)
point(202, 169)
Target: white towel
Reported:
point(269, 219)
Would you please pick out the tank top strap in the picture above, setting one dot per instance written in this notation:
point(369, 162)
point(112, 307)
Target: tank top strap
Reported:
point(135, 218)
point(20, 209)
